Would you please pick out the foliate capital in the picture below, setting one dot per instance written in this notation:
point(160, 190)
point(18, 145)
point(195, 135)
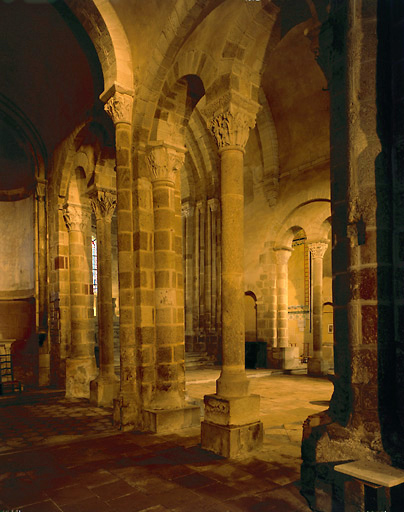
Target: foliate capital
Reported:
point(119, 108)
point(230, 118)
point(164, 162)
point(76, 217)
point(231, 129)
point(103, 204)
point(318, 249)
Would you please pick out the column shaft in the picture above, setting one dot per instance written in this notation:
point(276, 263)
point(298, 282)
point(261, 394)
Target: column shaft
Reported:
point(80, 365)
point(126, 407)
point(105, 387)
point(233, 380)
point(282, 256)
point(316, 364)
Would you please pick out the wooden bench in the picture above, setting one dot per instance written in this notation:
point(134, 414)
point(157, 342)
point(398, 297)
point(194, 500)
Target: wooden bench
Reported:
point(377, 480)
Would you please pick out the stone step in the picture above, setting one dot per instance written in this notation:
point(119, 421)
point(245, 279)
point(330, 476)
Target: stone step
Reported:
point(198, 360)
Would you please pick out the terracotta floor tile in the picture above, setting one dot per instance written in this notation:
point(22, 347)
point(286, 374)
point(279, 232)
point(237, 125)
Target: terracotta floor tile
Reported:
point(219, 491)
point(70, 494)
point(17, 494)
point(43, 506)
point(94, 504)
point(112, 490)
point(133, 502)
point(194, 481)
point(94, 478)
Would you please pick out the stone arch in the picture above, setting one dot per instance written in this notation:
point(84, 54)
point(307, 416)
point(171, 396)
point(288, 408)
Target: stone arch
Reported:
point(181, 22)
point(287, 236)
point(311, 216)
point(174, 109)
point(246, 47)
point(105, 30)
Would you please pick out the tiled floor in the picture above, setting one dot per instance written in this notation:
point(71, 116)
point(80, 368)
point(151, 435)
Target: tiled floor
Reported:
point(62, 455)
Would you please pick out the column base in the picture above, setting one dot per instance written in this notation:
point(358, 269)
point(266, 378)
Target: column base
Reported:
point(169, 420)
point(79, 373)
point(231, 427)
point(317, 367)
point(232, 441)
point(284, 358)
point(126, 413)
point(103, 390)
point(44, 370)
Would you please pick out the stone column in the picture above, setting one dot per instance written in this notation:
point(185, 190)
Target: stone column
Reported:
point(167, 410)
point(196, 311)
point(282, 258)
point(232, 425)
point(213, 205)
point(80, 365)
point(42, 308)
point(288, 356)
point(362, 423)
point(202, 258)
point(126, 407)
point(316, 365)
point(188, 214)
point(105, 387)
point(208, 275)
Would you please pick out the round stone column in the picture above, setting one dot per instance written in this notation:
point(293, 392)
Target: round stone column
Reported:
point(189, 233)
point(118, 106)
point(316, 365)
point(231, 425)
point(80, 365)
point(282, 258)
point(105, 387)
point(233, 380)
point(163, 164)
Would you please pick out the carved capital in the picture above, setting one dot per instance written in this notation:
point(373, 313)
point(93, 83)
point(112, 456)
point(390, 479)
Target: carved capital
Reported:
point(282, 255)
point(40, 190)
point(231, 129)
point(76, 217)
point(187, 210)
point(201, 206)
point(119, 108)
point(103, 204)
point(318, 249)
point(213, 204)
point(230, 118)
point(164, 162)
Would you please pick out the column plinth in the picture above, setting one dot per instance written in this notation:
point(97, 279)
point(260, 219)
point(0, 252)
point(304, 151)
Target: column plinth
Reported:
point(316, 364)
point(231, 426)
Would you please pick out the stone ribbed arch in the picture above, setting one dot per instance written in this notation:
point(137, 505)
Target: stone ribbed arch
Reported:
point(102, 24)
point(270, 155)
point(184, 17)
